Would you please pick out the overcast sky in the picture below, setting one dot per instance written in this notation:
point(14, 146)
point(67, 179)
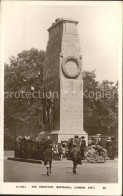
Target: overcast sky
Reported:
point(25, 26)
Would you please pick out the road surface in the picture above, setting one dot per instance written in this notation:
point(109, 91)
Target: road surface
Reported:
point(15, 171)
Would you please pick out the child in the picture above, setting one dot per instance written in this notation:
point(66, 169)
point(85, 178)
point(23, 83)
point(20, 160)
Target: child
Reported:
point(48, 158)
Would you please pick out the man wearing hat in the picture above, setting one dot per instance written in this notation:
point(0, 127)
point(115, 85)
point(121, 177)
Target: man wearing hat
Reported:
point(82, 147)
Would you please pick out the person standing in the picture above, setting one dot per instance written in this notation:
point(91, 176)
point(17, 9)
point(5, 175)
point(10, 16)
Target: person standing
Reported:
point(82, 146)
point(99, 142)
point(76, 157)
point(113, 147)
point(29, 147)
point(109, 147)
point(16, 148)
point(60, 152)
point(48, 158)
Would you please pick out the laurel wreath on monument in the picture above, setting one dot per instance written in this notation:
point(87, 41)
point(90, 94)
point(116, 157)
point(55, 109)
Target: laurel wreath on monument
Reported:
point(64, 62)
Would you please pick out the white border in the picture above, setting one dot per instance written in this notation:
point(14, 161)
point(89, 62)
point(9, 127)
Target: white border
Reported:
point(111, 189)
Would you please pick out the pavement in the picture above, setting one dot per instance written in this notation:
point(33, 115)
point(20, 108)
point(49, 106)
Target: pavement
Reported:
point(15, 171)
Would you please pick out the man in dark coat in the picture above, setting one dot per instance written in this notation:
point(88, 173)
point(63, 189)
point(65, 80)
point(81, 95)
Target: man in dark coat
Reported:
point(109, 147)
point(76, 157)
point(16, 148)
point(29, 145)
point(113, 147)
point(48, 158)
point(82, 147)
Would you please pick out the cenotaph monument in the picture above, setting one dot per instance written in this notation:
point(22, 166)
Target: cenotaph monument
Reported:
point(62, 77)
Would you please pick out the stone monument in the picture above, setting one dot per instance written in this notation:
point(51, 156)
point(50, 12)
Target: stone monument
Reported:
point(62, 76)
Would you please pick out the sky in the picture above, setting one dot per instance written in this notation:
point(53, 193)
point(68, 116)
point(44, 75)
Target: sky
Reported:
point(25, 24)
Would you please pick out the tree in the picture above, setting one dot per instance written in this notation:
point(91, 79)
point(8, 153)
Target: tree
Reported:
point(23, 74)
point(99, 109)
point(90, 86)
point(109, 102)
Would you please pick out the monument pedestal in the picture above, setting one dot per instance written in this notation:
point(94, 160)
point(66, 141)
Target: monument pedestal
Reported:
point(58, 136)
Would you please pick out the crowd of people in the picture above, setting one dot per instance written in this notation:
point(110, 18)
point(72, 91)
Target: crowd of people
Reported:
point(46, 149)
point(30, 148)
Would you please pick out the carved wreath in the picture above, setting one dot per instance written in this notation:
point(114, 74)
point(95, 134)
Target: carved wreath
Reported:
point(71, 75)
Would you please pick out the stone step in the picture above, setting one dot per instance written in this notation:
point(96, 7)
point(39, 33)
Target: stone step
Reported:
point(25, 160)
